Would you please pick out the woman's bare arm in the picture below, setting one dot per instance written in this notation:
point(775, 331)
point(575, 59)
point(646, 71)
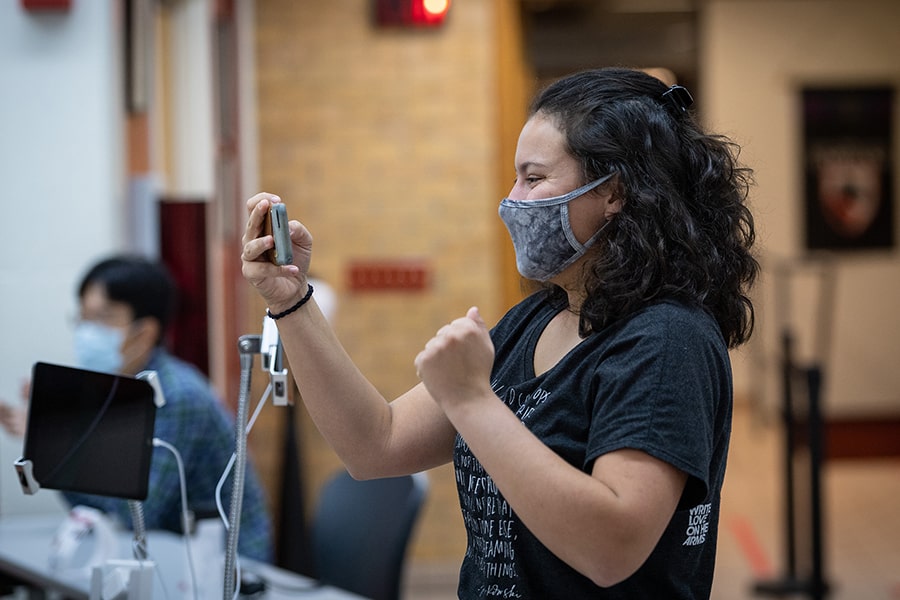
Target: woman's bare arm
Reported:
point(372, 437)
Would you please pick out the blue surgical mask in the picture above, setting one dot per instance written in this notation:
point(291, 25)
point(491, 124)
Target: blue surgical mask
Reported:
point(542, 234)
point(98, 347)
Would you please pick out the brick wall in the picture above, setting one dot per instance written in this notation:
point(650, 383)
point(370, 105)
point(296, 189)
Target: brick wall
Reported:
point(385, 144)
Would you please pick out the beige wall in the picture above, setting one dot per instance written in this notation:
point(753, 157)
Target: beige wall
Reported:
point(385, 144)
point(755, 57)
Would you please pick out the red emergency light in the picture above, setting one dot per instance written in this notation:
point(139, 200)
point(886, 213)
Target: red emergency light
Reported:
point(411, 13)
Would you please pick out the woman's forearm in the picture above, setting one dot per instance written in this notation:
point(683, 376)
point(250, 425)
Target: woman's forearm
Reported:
point(351, 414)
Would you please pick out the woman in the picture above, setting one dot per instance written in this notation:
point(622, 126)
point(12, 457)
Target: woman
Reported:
point(589, 428)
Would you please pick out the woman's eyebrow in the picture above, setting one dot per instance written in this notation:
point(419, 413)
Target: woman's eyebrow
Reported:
point(529, 164)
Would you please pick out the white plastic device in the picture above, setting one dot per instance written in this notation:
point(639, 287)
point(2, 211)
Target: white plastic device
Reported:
point(81, 526)
point(270, 348)
point(152, 377)
point(123, 579)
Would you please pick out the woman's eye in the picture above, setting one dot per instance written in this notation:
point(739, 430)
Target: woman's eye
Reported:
point(530, 180)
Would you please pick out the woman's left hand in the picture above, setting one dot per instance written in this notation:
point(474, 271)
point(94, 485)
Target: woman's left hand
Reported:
point(455, 364)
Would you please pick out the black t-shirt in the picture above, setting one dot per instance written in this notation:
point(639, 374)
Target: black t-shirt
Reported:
point(658, 381)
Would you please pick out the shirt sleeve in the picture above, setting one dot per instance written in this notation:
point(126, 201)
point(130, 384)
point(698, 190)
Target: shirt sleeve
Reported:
point(660, 387)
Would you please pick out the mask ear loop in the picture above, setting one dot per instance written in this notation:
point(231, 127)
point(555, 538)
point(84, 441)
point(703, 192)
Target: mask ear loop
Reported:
point(136, 330)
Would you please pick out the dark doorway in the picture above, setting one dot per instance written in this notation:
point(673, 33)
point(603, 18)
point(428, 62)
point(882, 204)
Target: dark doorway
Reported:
point(562, 36)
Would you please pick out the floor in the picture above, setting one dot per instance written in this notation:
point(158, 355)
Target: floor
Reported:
point(861, 525)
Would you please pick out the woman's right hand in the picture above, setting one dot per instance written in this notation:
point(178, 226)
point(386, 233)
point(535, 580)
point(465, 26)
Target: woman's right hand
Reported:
point(280, 286)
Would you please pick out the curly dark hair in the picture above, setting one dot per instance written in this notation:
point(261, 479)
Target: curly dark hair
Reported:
point(685, 231)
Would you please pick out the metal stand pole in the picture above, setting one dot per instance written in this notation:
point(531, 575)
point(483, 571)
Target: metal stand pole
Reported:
point(248, 345)
point(803, 426)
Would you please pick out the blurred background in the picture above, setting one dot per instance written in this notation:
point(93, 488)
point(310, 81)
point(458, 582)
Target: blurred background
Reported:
point(390, 132)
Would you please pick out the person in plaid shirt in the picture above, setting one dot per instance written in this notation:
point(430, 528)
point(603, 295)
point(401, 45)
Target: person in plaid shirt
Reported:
point(126, 303)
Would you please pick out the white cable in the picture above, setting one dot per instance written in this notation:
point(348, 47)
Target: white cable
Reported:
point(222, 515)
point(259, 407)
point(185, 514)
point(227, 471)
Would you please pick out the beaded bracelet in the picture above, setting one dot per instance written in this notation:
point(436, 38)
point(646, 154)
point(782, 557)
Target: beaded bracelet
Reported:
point(286, 312)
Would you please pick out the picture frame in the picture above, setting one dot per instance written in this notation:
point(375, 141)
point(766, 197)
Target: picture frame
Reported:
point(848, 167)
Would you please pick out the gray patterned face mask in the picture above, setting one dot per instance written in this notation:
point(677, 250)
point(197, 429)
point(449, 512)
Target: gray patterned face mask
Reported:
point(542, 235)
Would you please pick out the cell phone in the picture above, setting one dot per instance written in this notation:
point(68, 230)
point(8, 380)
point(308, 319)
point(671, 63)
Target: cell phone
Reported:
point(277, 226)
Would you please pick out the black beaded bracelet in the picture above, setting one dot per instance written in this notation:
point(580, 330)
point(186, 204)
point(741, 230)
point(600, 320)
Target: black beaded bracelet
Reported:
point(286, 312)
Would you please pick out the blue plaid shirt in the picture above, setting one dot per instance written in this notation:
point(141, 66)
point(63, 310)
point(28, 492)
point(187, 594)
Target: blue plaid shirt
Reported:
point(195, 422)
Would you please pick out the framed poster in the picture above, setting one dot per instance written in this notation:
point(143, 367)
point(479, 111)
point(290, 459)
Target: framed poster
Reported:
point(848, 164)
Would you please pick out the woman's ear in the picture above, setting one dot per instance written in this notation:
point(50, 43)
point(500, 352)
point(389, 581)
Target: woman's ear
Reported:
point(612, 198)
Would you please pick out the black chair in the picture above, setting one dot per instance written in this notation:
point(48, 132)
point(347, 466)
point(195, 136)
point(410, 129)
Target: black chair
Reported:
point(361, 530)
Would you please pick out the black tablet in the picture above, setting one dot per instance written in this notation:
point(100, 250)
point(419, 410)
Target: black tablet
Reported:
point(90, 432)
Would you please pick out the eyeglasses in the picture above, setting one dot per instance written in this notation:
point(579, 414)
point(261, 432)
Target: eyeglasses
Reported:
point(111, 319)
